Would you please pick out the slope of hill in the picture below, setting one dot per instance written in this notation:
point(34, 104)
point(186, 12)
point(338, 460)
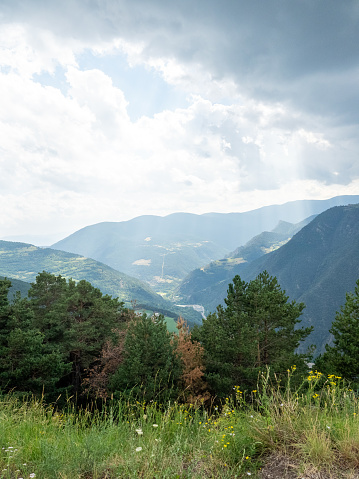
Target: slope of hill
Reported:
point(23, 262)
point(205, 285)
point(318, 266)
point(163, 250)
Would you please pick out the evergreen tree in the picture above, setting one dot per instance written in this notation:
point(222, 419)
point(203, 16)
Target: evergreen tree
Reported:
point(27, 365)
point(77, 319)
point(150, 367)
point(342, 357)
point(257, 328)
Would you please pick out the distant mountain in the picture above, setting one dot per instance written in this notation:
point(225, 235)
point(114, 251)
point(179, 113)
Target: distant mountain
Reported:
point(318, 266)
point(207, 285)
point(21, 261)
point(163, 250)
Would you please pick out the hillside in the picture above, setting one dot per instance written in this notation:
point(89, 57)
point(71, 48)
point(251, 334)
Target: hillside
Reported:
point(202, 286)
point(163, 250)
point(317, 266)
point(22, 261)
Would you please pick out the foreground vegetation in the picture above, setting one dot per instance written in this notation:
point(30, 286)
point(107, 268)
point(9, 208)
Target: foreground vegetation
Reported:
point(315, 427)
point(89, 389)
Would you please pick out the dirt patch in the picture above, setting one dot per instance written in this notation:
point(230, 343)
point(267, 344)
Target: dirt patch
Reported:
point(284, 467)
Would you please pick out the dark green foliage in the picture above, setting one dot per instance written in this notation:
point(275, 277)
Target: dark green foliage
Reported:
point(150, 368)
point(342, 357)
point(76, 318)
point(27, 364)
point(256, 329)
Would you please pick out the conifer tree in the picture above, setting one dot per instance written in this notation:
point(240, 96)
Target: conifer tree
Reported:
point(76, 318)
point(150, 369)
point(26, 362)
point(257, 328)
point(342, 357)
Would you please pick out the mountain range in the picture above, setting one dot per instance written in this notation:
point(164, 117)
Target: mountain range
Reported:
point(163, 250)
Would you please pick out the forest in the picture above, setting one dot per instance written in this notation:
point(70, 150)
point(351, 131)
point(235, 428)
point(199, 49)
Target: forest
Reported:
point(67, 339)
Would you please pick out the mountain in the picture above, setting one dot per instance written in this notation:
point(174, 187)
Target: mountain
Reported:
point(207, 285)
point(163, 250)
point(318, 266)
point(21, 261)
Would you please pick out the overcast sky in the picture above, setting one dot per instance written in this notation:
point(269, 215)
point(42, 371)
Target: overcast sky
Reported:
point(110, 109)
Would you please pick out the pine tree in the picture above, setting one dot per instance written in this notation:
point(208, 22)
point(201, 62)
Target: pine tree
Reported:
point(150, 369)
point(258, 328)
point(27, 365)
point(342, 357)
point(76, 318)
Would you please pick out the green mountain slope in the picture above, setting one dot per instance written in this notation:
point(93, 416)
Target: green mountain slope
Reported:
point(208, 284)
point(317, 266)
point(23, 262)
point(163, 250)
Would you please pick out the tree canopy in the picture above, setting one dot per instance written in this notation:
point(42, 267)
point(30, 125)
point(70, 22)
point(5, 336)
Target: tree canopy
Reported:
point(257, 328)
point(341, 357)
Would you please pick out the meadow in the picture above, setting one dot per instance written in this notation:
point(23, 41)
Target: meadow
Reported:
point(277, 430)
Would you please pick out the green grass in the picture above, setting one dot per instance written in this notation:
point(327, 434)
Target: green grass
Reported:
point(315, 425)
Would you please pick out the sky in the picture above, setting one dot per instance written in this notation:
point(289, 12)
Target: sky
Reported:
point(112, 109)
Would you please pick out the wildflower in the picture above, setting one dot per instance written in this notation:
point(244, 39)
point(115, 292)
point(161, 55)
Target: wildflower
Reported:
point(154, 425)
point(139, 431)
point(32, 475)
point(138, 449)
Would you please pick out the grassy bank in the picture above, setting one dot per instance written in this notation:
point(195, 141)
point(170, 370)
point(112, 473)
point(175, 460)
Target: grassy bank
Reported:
point(315, 428)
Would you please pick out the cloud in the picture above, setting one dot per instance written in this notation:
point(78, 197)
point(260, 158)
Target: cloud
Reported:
point(271, 112)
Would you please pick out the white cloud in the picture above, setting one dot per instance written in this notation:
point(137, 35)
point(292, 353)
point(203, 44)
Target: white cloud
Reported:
point(71, 157)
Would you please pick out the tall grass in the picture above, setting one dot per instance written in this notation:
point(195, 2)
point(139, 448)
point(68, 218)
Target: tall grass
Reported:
point(315, 424)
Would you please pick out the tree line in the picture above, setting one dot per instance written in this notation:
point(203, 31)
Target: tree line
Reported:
point(67, 339)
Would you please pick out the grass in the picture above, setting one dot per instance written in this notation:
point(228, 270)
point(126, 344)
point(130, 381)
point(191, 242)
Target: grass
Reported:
point(314, 426)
